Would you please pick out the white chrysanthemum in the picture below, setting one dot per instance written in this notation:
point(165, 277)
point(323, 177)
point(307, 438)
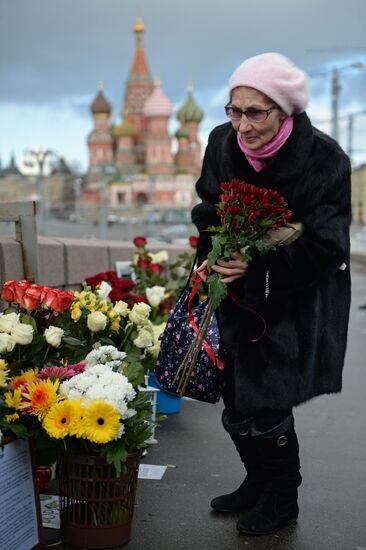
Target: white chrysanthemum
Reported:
point(104, 354)
point(120, 433)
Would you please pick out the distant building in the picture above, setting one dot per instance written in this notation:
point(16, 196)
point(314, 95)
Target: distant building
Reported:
point(136, 156)
point(359, 194)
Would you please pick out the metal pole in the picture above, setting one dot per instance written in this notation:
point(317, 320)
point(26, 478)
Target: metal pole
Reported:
point(350, 135)
point(336, 88)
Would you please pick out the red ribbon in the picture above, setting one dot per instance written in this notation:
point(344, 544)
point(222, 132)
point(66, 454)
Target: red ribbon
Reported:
point(206, 346)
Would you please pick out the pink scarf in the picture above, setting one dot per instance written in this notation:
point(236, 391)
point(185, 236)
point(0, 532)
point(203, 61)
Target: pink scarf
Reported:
point(256, 157)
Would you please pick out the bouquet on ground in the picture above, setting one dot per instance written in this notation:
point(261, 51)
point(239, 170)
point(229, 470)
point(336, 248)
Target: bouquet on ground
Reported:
point(248, 214)
point(87, 408)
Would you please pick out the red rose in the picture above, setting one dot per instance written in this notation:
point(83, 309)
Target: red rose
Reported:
point(48, 296)
point(93, 281)
point(32, 297)
point(8, 291)
point(19, 290)
point(124, 285)
point(63, 301)
point(156, 268)
point(143, 264)
point(193, 240)
point(139, 242)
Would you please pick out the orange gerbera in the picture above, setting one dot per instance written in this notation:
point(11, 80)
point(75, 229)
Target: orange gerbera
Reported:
point(24, 378)
point(39, 396)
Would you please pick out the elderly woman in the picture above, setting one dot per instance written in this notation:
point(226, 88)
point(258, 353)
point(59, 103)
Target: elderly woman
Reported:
point(300, 290)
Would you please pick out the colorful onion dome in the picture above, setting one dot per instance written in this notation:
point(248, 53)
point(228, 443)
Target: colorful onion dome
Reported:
point(190, 111)
point(100, 104)
point(157, 104)
point(182, 132)
point(124, 129)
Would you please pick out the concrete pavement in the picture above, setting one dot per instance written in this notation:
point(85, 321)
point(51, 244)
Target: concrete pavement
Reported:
point(174, 513)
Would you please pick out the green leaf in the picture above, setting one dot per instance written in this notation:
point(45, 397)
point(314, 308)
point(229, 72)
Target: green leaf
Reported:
point(215, 253)
point(72, 341)
point(216, 289)
point(19, 430)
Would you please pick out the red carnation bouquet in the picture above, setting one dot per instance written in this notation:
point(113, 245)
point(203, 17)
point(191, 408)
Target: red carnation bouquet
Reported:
point(247, 214)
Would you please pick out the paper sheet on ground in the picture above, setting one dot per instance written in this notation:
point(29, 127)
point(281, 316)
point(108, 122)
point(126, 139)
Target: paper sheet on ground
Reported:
point(50, 511)
point(151, 471)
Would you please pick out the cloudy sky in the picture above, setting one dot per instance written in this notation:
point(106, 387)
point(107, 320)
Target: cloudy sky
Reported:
point(53, 53)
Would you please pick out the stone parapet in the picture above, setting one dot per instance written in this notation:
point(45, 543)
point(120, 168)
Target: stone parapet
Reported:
point(64, 263)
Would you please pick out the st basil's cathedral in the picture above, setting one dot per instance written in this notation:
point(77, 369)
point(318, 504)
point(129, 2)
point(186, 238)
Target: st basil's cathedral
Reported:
point(135, 157)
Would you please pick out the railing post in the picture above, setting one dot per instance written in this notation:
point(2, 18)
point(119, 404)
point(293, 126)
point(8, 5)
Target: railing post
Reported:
point(23, 214)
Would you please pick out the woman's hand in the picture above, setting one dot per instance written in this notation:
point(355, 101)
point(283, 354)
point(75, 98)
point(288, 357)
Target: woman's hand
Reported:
point(233, 269)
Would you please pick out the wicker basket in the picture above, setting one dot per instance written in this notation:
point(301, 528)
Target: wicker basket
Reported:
point(96, 505)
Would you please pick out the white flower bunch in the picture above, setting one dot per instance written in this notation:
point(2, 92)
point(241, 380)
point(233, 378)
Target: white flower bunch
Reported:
point(101, 383)
point(105, 355)
point(13, 332)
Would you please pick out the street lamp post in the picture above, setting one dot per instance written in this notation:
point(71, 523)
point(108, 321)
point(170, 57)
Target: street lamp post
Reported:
point(40, 157)
point(336, 89)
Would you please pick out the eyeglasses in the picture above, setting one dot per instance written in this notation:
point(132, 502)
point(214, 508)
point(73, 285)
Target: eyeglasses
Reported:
point(253, 115)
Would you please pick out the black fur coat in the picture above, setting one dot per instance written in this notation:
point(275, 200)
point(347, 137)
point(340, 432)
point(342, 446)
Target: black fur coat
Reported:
point(299, 289)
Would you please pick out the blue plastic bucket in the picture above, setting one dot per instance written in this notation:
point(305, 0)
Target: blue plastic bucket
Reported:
point(166, 402)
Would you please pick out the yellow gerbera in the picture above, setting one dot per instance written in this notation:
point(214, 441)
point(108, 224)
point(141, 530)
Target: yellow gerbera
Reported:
point(58, 420)
point(101, 422)
point(24, 378)
point(13, 399)
point(39, 396)
point(77, 424)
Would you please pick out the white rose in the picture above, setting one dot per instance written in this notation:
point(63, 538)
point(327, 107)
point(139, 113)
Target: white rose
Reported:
point(53, 336)
point(144, 339)
point(22, 334)
point(104, 290)
point(121, 308)
point(139, 313)
point(96, 321)
point(159, 257)
point(155, 295)
point(8, 320)
point(6, 343)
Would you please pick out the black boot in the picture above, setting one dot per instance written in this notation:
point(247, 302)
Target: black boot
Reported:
point(277, 505)
point(247, 494)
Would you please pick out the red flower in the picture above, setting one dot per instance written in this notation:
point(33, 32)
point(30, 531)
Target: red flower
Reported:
point(139, 242)
point(124, 285)
point(156, 268)
point(32, 297)
point(19, 290)
point(8, 291)
point(193, 240)
point(143, 264)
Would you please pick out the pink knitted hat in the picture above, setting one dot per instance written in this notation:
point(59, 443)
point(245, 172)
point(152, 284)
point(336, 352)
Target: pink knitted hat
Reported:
point(275, 76)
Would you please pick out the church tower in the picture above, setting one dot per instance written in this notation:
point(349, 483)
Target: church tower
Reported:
point(188, 157)
point(100, 142)
point(157, 111)
point(139, 87)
